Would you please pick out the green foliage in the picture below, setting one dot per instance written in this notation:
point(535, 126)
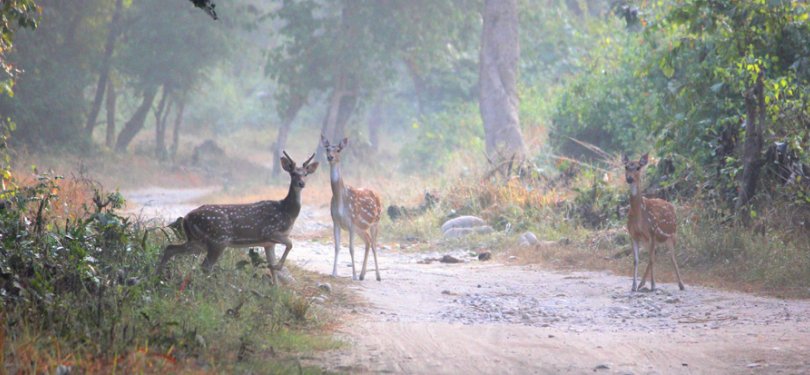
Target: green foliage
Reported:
point(13, 14)
point(85, 281)
point(441, 135)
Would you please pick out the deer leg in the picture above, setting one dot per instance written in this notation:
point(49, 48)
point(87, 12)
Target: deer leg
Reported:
point(652, 262)
point(675, 262)
point(337, 246)
point(367, 240)
point(644, 277)
point(173, 250)
point(351, 250)
point(374, 250)
point(270, 254)
point(214, 252)
point(635, 265)
point(287, 247)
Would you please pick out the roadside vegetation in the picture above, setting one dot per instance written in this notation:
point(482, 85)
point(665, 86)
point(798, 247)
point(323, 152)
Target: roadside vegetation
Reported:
point(716, 92)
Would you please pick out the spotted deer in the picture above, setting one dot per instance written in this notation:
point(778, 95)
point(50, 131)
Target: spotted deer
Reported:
point(650, 221)
point(354, 210)
point(212, 228)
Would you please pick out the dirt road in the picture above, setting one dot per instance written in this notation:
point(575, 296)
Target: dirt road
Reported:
point(485, 317)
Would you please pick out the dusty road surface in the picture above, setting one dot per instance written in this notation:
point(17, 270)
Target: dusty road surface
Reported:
point(485, 317)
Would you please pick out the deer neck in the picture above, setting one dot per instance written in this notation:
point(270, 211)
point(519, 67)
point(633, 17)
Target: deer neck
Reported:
point(292, 202)
point(636, 204)
point(338, 189)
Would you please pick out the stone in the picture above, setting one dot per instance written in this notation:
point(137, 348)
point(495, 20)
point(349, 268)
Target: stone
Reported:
point(450, 259)
point(527, 239)
point(326, 287)
point(463, 222)
point(461, 232)
point(485, 256)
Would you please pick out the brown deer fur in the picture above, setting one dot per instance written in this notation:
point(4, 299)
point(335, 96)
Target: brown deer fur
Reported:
point(650, 221)
point(354, 210)
point(212, 228)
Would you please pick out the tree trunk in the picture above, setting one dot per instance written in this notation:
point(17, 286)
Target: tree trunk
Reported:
point(330, 119)
point(752, 148)
point(286, 122)
point(135, 124)
point(498, 96)
point(345, 110)
point(418, 84)
point(375, 121)
point(104, 71)
point(178, 120)
point(160, 125)
point(110, 139)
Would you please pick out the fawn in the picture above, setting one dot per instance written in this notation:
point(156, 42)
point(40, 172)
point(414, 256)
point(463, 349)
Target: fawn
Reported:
point(649, 221)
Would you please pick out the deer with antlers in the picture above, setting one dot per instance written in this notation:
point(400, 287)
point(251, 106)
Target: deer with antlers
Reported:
point(650, 221)
point(212, 228)
point(354, 210)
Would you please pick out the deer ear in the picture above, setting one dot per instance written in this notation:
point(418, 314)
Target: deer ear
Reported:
point(625, 160)
point(324, 141)
point(287, 164)
point(344, 143)
point(311, 168)
point(644, 159)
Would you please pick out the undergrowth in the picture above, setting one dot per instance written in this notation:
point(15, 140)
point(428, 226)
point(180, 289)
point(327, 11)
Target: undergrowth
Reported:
point(583, 212)
point(79, 293)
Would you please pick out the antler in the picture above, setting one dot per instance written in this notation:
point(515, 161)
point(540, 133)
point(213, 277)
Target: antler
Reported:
point(288, 156)
point(309, 160)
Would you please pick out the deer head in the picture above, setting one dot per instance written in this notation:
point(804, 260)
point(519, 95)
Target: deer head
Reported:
point(632, 169)
point(333, 151)
point(298, 175)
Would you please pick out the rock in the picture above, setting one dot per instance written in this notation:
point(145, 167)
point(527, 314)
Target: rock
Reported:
point(528, 239)
point(461, 232)
point(64, 370)
point(318, 299)
point(208, 150)
point(200, 340)
point(601, 367)
point(450, 259)
point(484, 256)
point(463, 222)
point(326, 287)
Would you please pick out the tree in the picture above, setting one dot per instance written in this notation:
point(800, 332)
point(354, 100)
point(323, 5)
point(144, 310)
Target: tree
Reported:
point(350, 49)
point(104, 69)
point(169, 46)
point(56, 63)
point(498, 95)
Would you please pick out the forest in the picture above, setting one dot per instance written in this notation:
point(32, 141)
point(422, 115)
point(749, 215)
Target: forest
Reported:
point(580, 137)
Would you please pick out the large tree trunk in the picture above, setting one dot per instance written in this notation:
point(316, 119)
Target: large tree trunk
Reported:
point(418, 83)
point(160, 124)
point(286, 122)
point(135, 124)
point(330, 119)
point(345, 110)
point(752, 149)
point(110, 139)
point(498, 96)
point(178, 121)
point(104, 71)
point(376, 118)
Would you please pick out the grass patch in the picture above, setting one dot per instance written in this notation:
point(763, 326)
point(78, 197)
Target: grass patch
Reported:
point(78, 290)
